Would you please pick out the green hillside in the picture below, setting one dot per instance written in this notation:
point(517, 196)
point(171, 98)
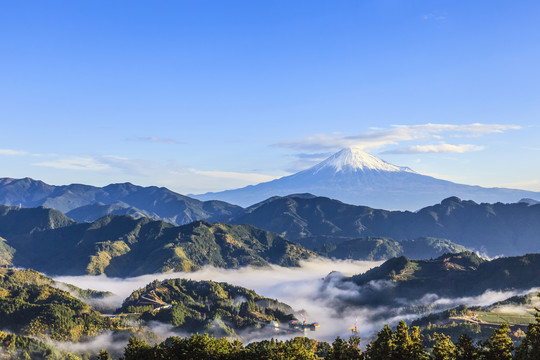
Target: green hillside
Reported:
point(451, 275)
point(509, 229)
point(14, 346)
point(31, 305)
point(376, 248)
point(205, 306)
point(124, 246)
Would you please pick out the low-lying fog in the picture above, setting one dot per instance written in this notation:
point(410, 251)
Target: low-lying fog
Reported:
point(304, 289)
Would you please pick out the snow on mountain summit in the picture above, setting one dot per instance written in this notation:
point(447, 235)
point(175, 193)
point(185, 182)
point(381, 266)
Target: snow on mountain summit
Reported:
point(351, 159)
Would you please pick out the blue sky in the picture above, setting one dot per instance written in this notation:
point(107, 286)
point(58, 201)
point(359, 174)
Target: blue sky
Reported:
point(207, 95)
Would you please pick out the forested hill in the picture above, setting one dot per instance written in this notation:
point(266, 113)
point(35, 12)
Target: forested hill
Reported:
point(451, 275)
point(509, 229)
point(124, 246)
point(378, 248)
point(205, 306)
point(30, 304)
point(21, 221)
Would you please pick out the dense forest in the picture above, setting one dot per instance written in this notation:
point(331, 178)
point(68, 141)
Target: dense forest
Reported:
point(205, 306)
point(402, 343)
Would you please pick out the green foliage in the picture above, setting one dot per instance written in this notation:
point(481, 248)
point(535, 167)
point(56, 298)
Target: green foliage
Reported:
point(22, 347)
point(208, 306)
point(342, 350)
point(400, 344)
point(530, 346)
point(314, 221)
point(452, 275)
point(379, 248)
point(209, 348)
point(112, 244)
point(383, 346)
point(31, 306)
point(499, 346)
point(444, 348)
point(465, 349)
point(104, 355)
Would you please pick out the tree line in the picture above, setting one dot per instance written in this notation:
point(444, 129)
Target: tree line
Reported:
point(403, 343)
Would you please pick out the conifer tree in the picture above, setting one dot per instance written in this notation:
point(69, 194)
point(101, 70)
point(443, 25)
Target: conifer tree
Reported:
point(465, 349)
point(104, 355)
point(499, 346)
point(382, 347)
point(444, 348)
point(416, 346)
point(402, 342)
point(530, 346)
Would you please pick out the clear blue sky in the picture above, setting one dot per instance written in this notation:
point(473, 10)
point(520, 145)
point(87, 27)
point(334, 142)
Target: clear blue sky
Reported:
point(208, 95)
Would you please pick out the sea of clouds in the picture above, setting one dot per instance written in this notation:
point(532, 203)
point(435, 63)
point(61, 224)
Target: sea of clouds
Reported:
point(308, 289)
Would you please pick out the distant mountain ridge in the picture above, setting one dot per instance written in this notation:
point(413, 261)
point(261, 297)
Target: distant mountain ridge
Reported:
point(377, 248)
point(46, 240)
point(450, 275)
point(88, 203)
point(496, 229)
point(356, 177)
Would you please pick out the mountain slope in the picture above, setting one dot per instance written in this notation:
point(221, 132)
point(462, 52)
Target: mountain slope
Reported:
point(124, 246)
point(356, 177)
point(31, 305)
point(205, 306)
point(450, 275)
point(376, 249)
point(509, 229)
point(155, 202)
point(92, 212)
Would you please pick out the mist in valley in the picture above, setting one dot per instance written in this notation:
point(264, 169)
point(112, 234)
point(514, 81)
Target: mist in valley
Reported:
point(314, 290)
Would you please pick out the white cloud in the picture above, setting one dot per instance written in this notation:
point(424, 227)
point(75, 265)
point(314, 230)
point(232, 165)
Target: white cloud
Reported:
point(75, 163)
point(12, 152)
point(323, 298)
point(434, 17)
point(171, 174)
point(396, 134)
point(159, 140)
point(440, 148)
point(248, 177)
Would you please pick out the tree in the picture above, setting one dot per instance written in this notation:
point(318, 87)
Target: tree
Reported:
point(104, 355)
point(499, 346)
point(341, 350)
point(465, 349)
point(382, 347)
point(530, 346)
point(137, 349)
point(444, 348)
point(416, 351)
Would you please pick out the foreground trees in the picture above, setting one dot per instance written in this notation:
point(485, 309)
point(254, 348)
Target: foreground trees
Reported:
point(403, 343)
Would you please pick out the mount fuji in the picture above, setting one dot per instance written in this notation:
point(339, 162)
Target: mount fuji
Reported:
point(356, 177)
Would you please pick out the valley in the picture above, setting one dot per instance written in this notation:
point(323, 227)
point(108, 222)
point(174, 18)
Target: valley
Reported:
point(289, 267)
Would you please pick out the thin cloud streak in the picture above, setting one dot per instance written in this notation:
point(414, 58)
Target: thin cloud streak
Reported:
point(12, 152)
point(159, 140)
point(75, 163)
point(393, 136)
point(440, 148)
point(250, 177)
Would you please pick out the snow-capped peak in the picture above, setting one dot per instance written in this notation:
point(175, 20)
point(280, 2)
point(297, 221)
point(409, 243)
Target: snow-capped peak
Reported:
point(352, 159)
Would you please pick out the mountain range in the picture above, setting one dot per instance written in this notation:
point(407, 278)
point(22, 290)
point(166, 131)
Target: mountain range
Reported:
point(494, 229)
point(46, 240)
point(450, 275)
point(313, 221)
point(88, 203)
point(356, 177)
